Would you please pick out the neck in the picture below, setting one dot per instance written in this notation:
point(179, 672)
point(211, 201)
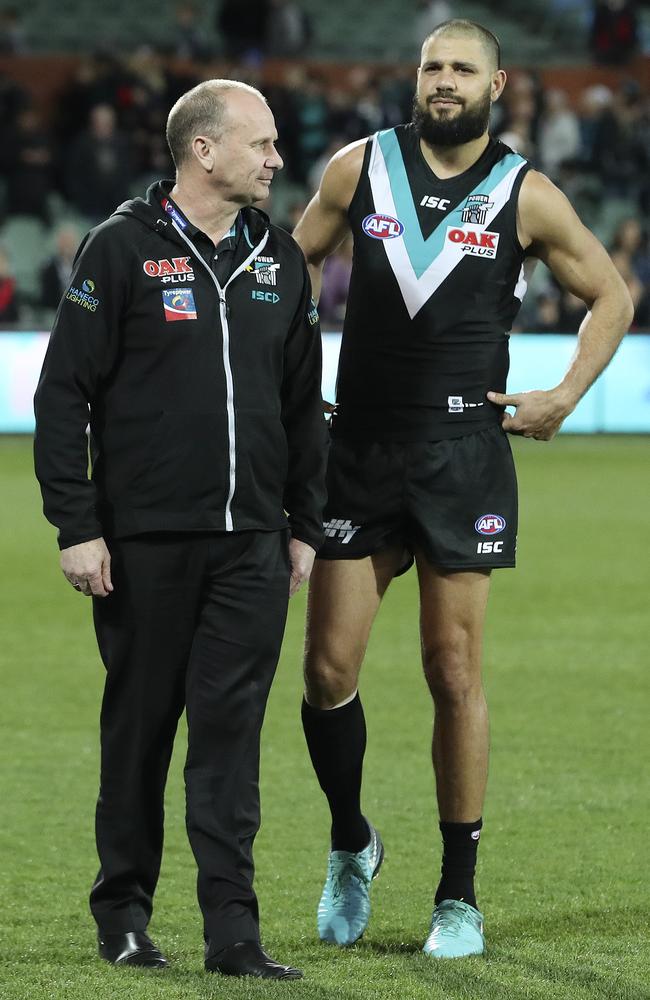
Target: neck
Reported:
point(448, 161)
point(208, 212)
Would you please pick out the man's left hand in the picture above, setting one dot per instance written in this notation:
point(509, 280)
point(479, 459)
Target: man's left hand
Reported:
point(301, 560)
point(538, 414)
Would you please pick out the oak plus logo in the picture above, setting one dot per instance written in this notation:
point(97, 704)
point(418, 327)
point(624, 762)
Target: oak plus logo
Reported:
point(173, 271)
point(470, 241)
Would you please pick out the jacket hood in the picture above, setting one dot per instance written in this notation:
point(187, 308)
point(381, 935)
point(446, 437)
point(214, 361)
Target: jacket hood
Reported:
point(150, 212)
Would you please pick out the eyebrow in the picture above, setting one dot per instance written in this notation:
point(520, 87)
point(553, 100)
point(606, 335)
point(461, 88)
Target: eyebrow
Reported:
point(456, 64)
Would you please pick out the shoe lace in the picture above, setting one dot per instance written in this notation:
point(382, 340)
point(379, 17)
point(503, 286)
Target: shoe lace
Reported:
point(343, 873)
point(449, 920)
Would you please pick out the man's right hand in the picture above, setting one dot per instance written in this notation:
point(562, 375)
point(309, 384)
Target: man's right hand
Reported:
point(88, 567)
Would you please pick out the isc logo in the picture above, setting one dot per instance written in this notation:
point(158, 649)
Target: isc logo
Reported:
point(484, 548)
point(260, 296)
point(382, 227)
point(490, 524)
point(429, 201)
point(478, 244)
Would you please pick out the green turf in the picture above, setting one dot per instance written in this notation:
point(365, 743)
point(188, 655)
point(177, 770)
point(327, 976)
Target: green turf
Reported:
point(563, 867)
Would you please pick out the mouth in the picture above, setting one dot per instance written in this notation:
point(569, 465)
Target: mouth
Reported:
point(444, 102)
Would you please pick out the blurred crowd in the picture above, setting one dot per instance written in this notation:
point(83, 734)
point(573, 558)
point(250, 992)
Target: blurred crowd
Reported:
point(105, 142)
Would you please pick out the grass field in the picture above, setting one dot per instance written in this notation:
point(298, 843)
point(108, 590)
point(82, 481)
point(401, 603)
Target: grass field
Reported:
point(563, 861)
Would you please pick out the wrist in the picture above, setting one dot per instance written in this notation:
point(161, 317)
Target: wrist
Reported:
point(567, 397)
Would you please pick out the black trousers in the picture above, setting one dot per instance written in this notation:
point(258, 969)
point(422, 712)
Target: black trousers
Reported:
point(194, 622)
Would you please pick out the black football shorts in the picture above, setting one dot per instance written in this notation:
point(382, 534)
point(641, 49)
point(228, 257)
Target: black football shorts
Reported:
point(453, 500)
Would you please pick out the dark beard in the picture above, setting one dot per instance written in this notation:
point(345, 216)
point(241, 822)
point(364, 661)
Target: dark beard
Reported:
point(464, 127)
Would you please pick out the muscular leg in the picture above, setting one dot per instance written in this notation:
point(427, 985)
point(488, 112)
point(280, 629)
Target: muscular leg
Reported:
point(451, 623)
point(344, 597)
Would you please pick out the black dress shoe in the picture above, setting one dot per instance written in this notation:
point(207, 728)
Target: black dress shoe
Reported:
point(130, 948)
point(246, 958)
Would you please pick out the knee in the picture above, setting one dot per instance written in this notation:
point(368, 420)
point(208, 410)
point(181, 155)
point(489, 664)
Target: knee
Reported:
point(452, 672)
point(331, 676)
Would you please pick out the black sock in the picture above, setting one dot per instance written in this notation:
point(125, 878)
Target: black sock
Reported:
point(460, 846)
point(336, 739)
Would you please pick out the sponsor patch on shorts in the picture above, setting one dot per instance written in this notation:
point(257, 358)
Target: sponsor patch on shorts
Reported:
point(490, 524)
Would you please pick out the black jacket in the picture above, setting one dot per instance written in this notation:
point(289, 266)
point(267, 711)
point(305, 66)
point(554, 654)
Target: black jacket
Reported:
point(204, 402)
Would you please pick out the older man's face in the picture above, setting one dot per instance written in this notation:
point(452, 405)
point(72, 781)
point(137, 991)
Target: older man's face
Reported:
point(245, 155)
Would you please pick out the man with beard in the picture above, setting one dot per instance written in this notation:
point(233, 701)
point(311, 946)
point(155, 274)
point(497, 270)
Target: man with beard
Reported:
point(443, 218)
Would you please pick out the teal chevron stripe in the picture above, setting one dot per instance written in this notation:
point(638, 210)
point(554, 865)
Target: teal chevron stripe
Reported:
point(423, 252)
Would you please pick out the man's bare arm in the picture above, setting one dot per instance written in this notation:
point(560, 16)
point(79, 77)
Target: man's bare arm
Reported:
point(551, 230)
point(324, 224)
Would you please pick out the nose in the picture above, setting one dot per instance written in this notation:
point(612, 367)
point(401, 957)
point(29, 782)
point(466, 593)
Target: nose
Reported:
point(445, 81)
point(275, 161)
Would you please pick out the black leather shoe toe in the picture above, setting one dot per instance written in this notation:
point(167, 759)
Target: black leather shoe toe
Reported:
point(130, 948)
point(246, 958)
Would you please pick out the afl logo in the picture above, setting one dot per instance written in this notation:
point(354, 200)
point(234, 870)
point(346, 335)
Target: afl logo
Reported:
point(490, 524)
point(382, 227)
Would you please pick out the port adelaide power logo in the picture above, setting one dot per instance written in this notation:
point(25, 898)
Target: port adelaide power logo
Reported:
point(476, 208)
point(265, 270)
point(468, 237)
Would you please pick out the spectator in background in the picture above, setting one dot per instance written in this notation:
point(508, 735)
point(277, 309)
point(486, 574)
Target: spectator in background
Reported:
point(619, 150)
point(28, 165)
point(13, 36)
point(546, 317)
point(614, 31)
point(289, 29)
point(311, 131)
point(8, 301)
point(99, 168)
point(518, 133)
point(572, 312)
point(143, 104)
point(242, 26)
point(519, 127)
point(595, 104)
point(429, 13)
point(188, 39)
point(318, 168)
point(55, 273)
point(633, 265)
point(336, 282)
point(558, 134)
point(97, 80)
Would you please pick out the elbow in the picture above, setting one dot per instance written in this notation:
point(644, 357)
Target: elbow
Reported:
point(628, 317)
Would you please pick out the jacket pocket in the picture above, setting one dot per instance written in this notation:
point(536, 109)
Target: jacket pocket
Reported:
point(262, 459)
point(180, 462)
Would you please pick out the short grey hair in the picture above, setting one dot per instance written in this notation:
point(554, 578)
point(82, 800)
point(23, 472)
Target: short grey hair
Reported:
point(200, 111)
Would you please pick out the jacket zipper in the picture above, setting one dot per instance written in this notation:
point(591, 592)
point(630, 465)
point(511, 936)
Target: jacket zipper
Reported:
point(225, 335)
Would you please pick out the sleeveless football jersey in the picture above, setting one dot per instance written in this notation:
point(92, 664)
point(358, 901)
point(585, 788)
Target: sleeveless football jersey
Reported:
point(437, 279)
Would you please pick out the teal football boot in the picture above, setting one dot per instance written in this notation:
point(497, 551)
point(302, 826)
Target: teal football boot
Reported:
point(456, 931)
point(344, 908)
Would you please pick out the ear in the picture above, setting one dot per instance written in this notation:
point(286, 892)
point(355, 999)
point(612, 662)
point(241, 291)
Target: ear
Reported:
point(498, 83)
point(203, 150)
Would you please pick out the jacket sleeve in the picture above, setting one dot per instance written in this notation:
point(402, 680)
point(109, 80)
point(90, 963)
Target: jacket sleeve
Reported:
point(304, 422)
point(83, 348)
